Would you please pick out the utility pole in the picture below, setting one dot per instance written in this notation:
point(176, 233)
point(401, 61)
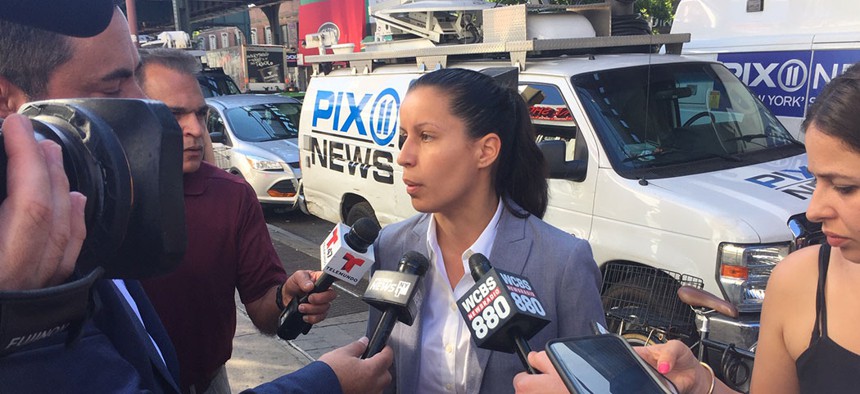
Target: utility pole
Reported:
point(131, 12)
point(181, 18)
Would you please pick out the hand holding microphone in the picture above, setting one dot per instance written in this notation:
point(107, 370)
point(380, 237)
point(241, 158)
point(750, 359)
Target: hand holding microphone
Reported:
point(346, 254)
point(392, 292)
point(501, 310)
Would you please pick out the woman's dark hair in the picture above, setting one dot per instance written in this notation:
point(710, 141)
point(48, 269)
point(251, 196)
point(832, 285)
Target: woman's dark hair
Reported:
point(487, 107)
point(835, 111)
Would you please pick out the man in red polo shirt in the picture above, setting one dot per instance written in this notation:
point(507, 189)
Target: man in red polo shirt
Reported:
point(229, 246)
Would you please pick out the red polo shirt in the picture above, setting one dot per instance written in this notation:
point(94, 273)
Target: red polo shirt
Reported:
point(229, 248)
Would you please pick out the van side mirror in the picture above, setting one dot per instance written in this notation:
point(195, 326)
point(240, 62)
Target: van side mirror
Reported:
point(554, 154)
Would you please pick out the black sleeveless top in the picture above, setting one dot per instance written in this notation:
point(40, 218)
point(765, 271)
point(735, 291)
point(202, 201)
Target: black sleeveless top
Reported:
point(826, 367)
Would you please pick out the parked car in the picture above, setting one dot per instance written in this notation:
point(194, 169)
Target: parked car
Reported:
point(255, 136)
point(214, 82)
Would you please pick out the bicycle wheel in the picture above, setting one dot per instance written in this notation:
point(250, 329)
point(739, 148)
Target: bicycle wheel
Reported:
point(635, 300)
point(643, 338)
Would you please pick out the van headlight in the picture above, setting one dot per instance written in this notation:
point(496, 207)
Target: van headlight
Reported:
point(744, 271)
point(261, 164)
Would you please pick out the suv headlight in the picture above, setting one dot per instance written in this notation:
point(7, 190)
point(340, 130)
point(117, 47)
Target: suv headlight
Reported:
point(745, 269)
point(261, 164)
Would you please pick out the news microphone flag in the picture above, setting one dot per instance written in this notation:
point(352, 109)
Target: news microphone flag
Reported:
point(501, 310)
point(345, 254)
point(392, 293)
point(342, 261)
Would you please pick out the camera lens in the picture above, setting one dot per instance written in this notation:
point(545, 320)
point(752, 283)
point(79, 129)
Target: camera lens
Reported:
point(125, 155)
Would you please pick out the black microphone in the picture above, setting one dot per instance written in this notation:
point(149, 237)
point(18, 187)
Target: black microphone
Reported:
point(346, 254)
point(501, 310)
point(392, 292)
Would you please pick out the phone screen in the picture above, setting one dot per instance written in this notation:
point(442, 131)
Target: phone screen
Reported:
point(604, 364)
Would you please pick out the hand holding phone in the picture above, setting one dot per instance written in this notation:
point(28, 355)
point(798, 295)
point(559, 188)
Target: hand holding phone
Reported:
point(604, 364)
point(547, 381)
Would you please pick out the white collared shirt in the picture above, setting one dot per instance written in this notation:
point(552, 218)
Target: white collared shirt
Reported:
point(445, 340)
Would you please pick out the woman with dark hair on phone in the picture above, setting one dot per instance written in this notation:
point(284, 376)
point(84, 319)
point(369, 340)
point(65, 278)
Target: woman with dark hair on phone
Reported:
point(801, 348)
point(472, 168)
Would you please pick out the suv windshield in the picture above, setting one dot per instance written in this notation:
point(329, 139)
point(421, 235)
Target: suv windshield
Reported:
point(677, 119)
point(264, 122)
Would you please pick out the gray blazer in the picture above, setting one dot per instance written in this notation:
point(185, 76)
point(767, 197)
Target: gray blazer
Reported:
point(560, 266)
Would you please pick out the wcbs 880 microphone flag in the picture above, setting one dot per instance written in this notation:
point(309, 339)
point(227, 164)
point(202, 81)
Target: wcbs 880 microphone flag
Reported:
point(501, 310)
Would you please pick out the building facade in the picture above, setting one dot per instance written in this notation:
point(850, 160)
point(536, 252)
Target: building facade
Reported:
point(258, 32)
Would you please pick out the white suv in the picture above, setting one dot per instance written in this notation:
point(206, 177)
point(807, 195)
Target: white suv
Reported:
point(255, 136)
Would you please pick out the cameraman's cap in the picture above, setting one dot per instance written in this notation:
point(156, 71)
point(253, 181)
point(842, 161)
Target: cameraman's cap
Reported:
point(78, 18)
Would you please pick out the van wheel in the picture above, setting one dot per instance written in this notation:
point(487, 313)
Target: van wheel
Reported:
point(360, 210)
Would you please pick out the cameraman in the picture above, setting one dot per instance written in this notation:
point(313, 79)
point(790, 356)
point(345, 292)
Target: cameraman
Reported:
point(119, 345)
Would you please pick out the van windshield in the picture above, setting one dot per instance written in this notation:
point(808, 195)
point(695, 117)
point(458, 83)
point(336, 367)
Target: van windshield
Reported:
point(265, 122)
point(676, 119)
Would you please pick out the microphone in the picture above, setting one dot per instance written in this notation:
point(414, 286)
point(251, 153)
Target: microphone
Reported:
point(501, 310)
point(346, 254)
point(392, 292)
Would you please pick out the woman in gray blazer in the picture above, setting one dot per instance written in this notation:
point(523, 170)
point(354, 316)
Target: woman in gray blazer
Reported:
point(471, 166)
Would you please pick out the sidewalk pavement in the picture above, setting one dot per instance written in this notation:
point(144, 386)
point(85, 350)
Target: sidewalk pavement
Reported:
point(259, 358)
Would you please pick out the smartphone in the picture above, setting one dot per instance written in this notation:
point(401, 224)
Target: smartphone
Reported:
point(605, 364)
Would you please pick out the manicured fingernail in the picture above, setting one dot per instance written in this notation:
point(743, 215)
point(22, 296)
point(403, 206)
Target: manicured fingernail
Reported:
point(663, 367)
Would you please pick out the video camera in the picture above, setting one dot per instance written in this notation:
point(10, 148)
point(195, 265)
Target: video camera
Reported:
point(125, 156)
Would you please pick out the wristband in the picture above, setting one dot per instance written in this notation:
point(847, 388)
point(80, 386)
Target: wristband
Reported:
point(32, 315)
point(713, 377)
point(279, 298)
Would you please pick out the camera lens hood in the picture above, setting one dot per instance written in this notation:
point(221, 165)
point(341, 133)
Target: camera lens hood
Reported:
point(125, 155)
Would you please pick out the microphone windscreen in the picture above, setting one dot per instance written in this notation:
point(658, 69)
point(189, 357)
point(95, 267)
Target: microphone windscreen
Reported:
point(362, 234)
point(414, 263)
point(479, 265)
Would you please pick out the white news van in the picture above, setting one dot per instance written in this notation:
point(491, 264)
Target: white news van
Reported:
point(785, 51)
point(657, 160)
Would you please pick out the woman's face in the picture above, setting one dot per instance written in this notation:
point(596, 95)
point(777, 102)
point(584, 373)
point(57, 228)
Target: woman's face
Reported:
point(441, 163)
point(836, 200)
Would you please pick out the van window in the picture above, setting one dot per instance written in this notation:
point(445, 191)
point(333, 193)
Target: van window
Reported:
point(550, 115)
point(671, 115)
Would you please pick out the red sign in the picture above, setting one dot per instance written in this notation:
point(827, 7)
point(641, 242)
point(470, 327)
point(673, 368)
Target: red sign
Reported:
point(345, 19)
point(550, 112)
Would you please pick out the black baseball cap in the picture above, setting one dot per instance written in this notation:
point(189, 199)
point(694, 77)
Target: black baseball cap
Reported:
point(78, 18)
